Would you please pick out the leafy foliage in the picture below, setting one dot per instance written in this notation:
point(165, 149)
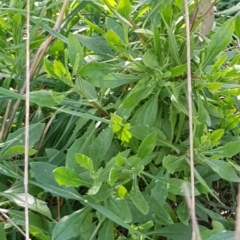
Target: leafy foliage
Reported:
point(109, 122)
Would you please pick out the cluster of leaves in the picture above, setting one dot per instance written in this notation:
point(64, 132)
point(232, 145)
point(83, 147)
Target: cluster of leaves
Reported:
point(109, 142)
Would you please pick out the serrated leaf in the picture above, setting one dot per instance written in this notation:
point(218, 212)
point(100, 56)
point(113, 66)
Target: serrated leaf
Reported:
point(67, 177)
point(84, 161)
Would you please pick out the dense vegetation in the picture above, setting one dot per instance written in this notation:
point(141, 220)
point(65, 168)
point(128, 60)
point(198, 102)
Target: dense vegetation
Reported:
point(109, 138)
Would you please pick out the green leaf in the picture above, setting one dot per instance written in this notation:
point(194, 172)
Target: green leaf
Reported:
point(227, 151)
point(114, 175)
point(150, 59)
point(116, 26)
point(172, 163)
point(113, 80)
point(160, 193)
point(226, 235)
point(223, 169)
point(84, 161)
point(73, 225)
point(124, 8)
point(178, 70)
point(101, 145)
point(121, 129)
point(48, 66)
point(95, 71)
point(17, 150)
point(2, 232)
point(74, 50)
point(97, 44)
point(59, 69)
point(43, 172)
point(177, 231)
point(33, 203)
point(115, 41)
point(175, 186)
point(183, 213)
point(147, 145)
point(106, 231)
point(216, 46)
point(46, 98)
point(120, 207)
point(135, 97)
point(215, 136)
point(146, 115)
point(67, 177)
point(18, 137)
point(237, 26)
point(138, 199)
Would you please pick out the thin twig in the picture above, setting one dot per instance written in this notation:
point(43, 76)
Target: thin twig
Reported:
point(13, 223)
point(27, 109)
point(190, 111)
point(44, 134)
point(237, 227)
point(189, 198)
point(38, 57)
point(5, 118)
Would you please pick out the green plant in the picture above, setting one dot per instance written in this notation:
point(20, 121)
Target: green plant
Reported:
point(109, 122)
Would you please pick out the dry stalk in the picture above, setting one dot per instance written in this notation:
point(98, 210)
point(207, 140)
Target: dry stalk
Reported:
point(190, 112)
point(189, 197)
point(237, 227)
point(38, 57)
point(13, 223)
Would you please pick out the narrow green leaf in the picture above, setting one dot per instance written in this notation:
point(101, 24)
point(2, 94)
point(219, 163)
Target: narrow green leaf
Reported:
point(227, 151)
point(67, 177)
point(223, 169)
point(2, 232)
point(138, 199)
point(74, 49)
point(147, 145)
point(33, 203)
point(237, 26)
point(106, 231)
point(224, 33)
